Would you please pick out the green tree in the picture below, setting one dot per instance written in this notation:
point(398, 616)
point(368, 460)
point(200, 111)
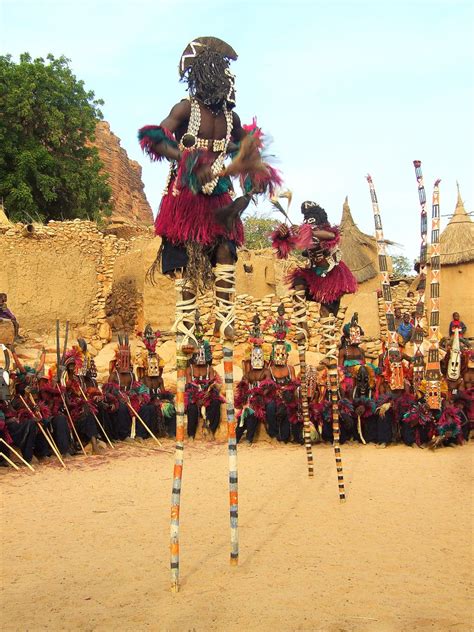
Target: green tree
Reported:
point(257, 230)
point(48, 169)
point(402, 266)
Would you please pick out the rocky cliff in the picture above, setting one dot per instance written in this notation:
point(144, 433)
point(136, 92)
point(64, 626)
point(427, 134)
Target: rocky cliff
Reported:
point(128, 197)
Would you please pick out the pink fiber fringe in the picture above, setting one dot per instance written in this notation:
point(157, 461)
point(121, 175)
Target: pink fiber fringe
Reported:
point(283, 245)
point(189, 217)
point(147, 143)
point(327, 289)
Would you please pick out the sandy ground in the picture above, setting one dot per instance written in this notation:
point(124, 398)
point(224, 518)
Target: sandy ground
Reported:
point(87, 548)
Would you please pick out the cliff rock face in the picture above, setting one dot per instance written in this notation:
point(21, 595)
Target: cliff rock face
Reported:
point(128, 198)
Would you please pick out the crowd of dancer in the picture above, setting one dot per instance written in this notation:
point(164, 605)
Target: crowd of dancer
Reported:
point(66, 408)
point(199, 223)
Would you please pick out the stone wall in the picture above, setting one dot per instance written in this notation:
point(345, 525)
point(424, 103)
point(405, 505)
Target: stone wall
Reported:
point(97, 281)
point(63, 271)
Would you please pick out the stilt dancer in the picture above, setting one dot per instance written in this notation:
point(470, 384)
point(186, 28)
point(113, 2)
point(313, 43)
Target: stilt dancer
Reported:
point(300, 317)
point(419, 362)
point(433, 370)
point(199, 222)
point(394, 356)
point(324, 279)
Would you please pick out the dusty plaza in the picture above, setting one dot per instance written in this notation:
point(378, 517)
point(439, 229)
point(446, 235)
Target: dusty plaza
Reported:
point(89, 547)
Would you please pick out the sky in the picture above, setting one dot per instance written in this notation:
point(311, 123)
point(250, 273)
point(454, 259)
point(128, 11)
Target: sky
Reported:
point(344, 88)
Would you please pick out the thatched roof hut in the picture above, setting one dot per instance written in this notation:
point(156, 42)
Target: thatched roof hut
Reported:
point(359, 251)
point(457, 268)
point(457, 239)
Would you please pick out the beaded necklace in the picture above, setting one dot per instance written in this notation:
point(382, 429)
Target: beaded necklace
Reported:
point(217, 145)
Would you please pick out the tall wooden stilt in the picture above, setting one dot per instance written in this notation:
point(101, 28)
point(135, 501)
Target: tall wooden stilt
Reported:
point(225, 314)
point(299, 302)
point(329, 334)
point(184, 329)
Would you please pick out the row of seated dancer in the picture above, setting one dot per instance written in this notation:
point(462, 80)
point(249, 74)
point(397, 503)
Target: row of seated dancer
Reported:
point(370, 409)
point(267, 396)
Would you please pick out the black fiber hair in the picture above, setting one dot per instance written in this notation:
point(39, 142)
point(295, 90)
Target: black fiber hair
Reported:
point(311, 209)
point(207, 78)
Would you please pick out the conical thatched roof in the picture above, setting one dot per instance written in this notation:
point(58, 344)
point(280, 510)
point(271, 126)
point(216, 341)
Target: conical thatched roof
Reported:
point(4, 221)
point(359, 251)
point(457, 239)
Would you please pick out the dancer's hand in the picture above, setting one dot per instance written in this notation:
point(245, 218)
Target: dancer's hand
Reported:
point(283, 230)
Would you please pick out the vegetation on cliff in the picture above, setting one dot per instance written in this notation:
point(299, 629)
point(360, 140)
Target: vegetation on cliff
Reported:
point(48, 168)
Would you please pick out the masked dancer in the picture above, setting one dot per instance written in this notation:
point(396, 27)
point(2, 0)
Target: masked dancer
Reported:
point(199, 223)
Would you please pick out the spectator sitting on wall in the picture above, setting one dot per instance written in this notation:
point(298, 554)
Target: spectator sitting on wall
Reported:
point(405, 329)
point(457, 323)
point(6, 314)
point(398, 317)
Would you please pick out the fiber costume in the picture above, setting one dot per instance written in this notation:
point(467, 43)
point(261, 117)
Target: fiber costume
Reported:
point(324, 279)
point(203, 396)
point(200, 226)
point(283, 417)
point(256, 391)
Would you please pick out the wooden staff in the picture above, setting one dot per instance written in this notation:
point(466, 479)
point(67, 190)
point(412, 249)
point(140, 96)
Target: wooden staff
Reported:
point(97, 420)
point(299, 307)
point(433, 369)
point(66, 333)
point(14, 465)
point(58, 354)
point(134, 412)
point(70, 419)
point(28, 465)
point(394, 356)
point(419, 361)
point(46, 435)
point(329, 333)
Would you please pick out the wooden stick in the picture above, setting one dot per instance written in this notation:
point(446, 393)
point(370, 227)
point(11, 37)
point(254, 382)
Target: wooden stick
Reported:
point(48, 437)
point(65, 342)
point(97, 420)
point(58, 354)
point(70, 420)
point(132, 409)
point(9, 460)
point(18, 455)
